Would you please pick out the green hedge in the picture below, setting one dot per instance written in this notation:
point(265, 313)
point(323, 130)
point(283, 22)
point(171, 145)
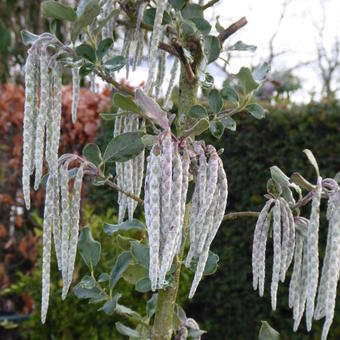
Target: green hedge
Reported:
point(225, 303)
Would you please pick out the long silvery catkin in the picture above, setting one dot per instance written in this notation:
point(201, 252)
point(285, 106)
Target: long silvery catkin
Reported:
point(75, 92)
point(41, 118)
point(285, 239)
point(74, 230)
point(156, 33)
point(128, 170)
point(160, 73)
point(277, 251)
point(291, 241)
point(313, 253)
point(211, 186)
point(56, 223)
point(119, 165)
point(46, 256)
point(333, 268)
point(147, 192)
point(170, 246)
point(257, 242)
point(154, 214)
point(122, 180)
point(28, 125)
point(66, 219)
point(173, 75)
point(262, 253)
point(166, 162)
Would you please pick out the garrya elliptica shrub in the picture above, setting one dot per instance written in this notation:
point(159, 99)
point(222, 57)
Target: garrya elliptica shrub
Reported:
point(295, 240)
point(185, 184)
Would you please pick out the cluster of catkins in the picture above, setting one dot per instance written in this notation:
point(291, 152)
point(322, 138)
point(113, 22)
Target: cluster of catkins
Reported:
point(129, 174)
point(166, 186)
point(44, 71)
point(297, 238)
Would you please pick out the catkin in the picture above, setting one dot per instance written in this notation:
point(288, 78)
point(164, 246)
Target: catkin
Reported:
point(173, 75)
point(74, 226)
point(313, 254)
point(46, 256)
point(257, 241)
point(41, 118)
point(277, 251)
point(75, 92)
point(56, 223)
point(285, 239)
point(154, 215)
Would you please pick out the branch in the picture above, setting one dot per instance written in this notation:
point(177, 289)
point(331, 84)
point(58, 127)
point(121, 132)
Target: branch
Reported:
point(209, 4)
point(223, 36)
point(236, 215)
point(128, 194)
point(187, 67)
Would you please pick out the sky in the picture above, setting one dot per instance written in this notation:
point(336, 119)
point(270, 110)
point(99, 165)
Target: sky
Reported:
point(296, 40)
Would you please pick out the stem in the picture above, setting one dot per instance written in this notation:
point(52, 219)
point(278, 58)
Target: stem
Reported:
point(236, 215)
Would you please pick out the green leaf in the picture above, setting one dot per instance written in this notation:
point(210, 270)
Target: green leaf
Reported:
point(177, 4)
point(110, 306)
point(260, 72)
point(312, 160)
point(92, 153)
point(210, 266)
point(198, 128)
point(134, 273)
point(202, 25)
point(121, 309)
point(89, 249)
point(103, 47)
point(267, 332)
point(192, 11)
point(123, 242)
point(126, 103)
point(149, 140)
point(28, 38)
point(124, 147)
point(151, 305)
point(87, 52)
point(86, 69)
point(125, 330)
point(216, 128)
point(149, 17)
point(229, 93)
point(119, 267)
point(211, 48)
point(206, 80)
point(188, 28)
point(229, 123)
point(197, 112)
point(103, 277)
point(195, 333)
point(87, 11)
point(215, 101)
point(115, 63)
point(87, 282)
point(140, 254)
point(57, 10)
point(134, 224)
point(218, 26)
point(85, 289)
point(143, 285)
point(108, 116)
point(241, 46)
point(256, 110)
point(246, 80)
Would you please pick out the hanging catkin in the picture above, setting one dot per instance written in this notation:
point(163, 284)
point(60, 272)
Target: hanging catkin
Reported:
point(313, 254)
point(173, 75)
point(285, 239)
point(75, 92)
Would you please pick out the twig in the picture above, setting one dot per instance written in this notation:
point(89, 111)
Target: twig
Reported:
point(223, 36)
point(209, 4)
point(126, 193)
point(236, 215)
point(187, 67)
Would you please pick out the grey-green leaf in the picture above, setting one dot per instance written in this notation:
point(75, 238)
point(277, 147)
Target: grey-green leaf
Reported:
point(210, 266)
point(115, 63)
point(202, 25)
point(125, 330)
point(134, 224)
point(216, 128)
point(229, 123)
point(260, 72)
point(103, 277)
point(140, 254)
point(89, 249)
point(28, 38)
point(197, 112)
point(92, 153)
point(143, 285)
point(87, 52)
point(267, 332)
point(119, 267)
point(103, 47)
point(151, 305)
point(57, 10)
point(134, 272)
point(212, 48)
point(215, 101)
point(229, 93)
point(256, 110)
point(312, 160)
point(124, 147)
point(192, 11)
point(241, 46)
point(149, 17)
point(126, 103)
point(198, 128)
point(246, 80)
point(110, 306)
